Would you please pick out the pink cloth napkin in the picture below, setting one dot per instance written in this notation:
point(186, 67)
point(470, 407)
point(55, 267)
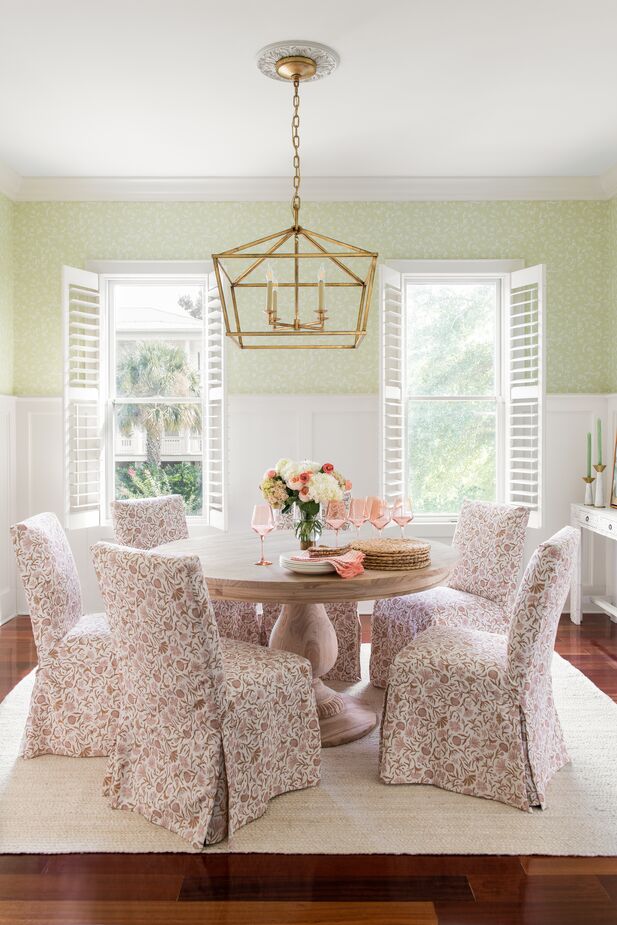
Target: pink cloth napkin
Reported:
point(347, 566)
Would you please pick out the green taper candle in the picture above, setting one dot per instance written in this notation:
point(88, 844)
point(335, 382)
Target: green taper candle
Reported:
point(589, 455)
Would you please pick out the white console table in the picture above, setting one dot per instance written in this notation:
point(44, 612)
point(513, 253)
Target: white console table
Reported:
point(601, 520)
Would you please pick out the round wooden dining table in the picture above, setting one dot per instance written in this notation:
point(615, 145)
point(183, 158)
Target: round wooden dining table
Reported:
point(303, 626)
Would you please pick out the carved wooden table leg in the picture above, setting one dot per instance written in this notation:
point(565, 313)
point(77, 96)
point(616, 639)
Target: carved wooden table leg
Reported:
point(306, 630)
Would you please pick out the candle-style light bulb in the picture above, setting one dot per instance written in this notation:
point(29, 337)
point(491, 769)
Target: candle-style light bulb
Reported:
point(269, 288)
point(321, 289)
point(275, 294)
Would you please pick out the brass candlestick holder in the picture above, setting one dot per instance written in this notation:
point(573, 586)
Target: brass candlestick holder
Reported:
point(588, 480)
point(599, 496)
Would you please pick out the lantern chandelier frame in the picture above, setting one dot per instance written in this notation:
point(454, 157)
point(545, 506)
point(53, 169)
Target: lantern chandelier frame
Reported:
point(256, 265)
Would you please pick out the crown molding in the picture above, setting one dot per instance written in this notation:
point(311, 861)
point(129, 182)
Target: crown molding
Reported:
point(10, 182)
point(315, 189)
point(609, 183)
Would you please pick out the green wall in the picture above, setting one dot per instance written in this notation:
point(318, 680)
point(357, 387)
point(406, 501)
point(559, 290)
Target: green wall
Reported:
point(572, 238)
point(6, 295)
point(612, 261)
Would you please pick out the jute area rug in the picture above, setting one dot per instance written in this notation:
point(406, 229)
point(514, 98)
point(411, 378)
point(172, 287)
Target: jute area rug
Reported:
point(54, 805)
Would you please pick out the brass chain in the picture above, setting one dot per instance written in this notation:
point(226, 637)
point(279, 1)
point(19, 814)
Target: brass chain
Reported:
point(295, 140)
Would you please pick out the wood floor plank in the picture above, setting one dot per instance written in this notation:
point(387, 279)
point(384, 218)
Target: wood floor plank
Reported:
point(216, 913)
point(586, 889)
point(593, 913)
point(568, 867)
point(300, 888)
point(93, 887)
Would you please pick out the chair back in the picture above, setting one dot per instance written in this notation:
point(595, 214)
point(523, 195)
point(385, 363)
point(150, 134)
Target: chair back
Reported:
point(537, 610)
point(50, 578)
point(489, 539)
point(144, 523)
point(169, 752)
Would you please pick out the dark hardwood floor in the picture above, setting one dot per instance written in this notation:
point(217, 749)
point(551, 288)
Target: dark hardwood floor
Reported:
point(158, 889)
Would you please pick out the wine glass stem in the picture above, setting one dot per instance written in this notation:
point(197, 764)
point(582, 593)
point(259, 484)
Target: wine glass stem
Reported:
point(262, 547)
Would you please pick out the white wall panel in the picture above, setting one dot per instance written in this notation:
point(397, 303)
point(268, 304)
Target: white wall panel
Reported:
point(338, 428)
point(7, 507)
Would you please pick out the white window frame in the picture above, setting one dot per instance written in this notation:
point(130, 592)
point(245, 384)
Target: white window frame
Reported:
point(111, 272)
point(469, 271)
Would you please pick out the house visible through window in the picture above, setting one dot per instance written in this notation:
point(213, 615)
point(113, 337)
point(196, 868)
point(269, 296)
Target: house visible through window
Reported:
point(462, 386)
point(155, 390)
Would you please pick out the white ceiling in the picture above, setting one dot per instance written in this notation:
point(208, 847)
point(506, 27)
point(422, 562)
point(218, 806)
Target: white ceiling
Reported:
point(425, 88)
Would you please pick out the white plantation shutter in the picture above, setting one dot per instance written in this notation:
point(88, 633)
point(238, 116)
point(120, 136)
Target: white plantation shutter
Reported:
point(525, 390)
point(393, 465)
point(214, 406)
point(82, 419)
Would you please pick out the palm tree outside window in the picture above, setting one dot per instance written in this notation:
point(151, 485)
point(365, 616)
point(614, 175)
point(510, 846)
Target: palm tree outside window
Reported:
point(155, 390)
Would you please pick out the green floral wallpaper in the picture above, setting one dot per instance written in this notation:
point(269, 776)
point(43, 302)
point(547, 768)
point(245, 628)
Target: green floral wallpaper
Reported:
point(6, 295)
point(572, 238)
point(612, 260)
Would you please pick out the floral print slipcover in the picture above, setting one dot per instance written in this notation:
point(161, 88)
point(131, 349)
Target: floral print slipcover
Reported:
point(74, 705)
point(472, 711)
point(346, 622)
point(144, 523)
point(210, 729)
point(479, 593)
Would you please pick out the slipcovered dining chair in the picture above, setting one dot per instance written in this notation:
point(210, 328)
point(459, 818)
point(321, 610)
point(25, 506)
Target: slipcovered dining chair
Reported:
point(74, 704)
point(472, 711)
point(210, 729)
point(144, 523)
point(480, 591)
point(346, 622)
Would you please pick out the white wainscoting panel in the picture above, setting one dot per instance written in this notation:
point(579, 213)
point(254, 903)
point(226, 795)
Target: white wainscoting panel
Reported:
point(340, 428)
point(8, 580)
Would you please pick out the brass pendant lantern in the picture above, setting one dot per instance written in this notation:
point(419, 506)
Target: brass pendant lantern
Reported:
point(296, 288)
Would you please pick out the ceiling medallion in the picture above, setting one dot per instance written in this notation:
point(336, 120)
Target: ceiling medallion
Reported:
point(279, 291)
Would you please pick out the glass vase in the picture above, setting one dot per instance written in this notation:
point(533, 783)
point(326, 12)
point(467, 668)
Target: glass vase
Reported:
point(308, 526)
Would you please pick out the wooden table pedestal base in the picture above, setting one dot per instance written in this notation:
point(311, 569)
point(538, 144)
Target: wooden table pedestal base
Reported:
point(306, 630)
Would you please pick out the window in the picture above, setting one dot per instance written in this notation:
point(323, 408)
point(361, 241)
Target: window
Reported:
point(462, 379)
point(144, 403)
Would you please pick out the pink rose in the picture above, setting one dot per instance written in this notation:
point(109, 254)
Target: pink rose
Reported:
point(327, 467)
point(304, 492)
point(347, 485)
point(270, 473)
point(305, 477)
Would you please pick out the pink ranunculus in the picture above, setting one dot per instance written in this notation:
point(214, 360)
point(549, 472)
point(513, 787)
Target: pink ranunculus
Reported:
point(270, 474)
point(327, 467)
point(304, 492)
point(305, 477)
point(347, 485)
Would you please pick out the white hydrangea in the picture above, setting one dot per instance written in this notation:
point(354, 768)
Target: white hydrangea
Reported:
point(290, 470)
point(324, 487)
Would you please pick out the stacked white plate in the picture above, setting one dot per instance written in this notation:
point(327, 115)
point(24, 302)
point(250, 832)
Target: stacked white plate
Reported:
point(304, 566)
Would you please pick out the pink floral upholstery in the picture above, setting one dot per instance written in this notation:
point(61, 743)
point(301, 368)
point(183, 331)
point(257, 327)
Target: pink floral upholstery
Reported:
point(346, 622)
point(490, 540)
point(144, 523)
point(472, 711)
point(210, 729)
point(74, 705)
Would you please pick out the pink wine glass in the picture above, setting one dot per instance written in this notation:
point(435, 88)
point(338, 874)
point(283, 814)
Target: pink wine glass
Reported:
point(262, 523)
point(336, 516)
point(402, 513)
point(358, 513)
point(380, 515)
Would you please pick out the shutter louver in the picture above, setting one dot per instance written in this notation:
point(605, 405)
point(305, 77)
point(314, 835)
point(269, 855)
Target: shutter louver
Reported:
point(214, 401)
point(393, 467)
point(525, 391)
point(82, 423)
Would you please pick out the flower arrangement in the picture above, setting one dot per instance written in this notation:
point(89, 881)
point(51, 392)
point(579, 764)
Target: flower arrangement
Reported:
point(307, 485)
